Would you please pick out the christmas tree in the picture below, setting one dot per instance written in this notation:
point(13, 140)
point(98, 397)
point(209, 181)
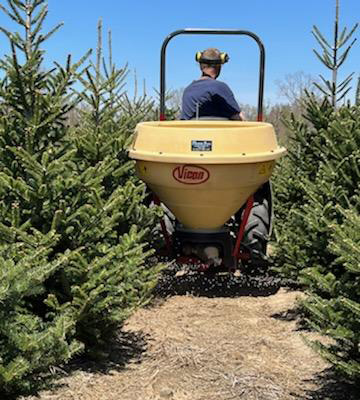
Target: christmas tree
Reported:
point(317, 209)
point(336, 312)
point(74, 227)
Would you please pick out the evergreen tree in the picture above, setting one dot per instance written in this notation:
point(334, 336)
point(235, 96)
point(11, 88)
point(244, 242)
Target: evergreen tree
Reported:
point(108, 119)
point(336, 312)
point(331, 58)
point(308, 147)
point(305, 148)
point(29, 341)
point(357, 93)
point(73, 246)
point(331, 209)
point(317, 213)
point(317, 208)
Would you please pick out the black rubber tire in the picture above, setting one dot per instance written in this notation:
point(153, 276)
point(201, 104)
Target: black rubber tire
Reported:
point(256, 235)
point(258, 227)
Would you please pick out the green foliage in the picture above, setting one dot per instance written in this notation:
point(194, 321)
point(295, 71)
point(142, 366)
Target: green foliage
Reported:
point(357, 93)
point(331, 58)
point(317, 209)
point(305, 146)
point(317, 233)
point(29, 341)
point(337, 312)
point(319, 174)
point(74, 228)
point(335, 185)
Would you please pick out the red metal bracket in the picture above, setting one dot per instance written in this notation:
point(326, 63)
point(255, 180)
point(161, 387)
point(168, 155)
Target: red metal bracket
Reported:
point(167, 237)
point(244, 220)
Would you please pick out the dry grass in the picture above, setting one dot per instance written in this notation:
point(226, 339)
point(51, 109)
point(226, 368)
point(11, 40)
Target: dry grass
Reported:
point(225, 344)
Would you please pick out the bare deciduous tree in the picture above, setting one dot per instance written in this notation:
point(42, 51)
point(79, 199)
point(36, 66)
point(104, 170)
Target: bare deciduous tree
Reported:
point(293, 86)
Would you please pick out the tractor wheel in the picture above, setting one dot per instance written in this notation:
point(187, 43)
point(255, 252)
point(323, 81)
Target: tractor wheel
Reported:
point(256, 235)
point(258, 227)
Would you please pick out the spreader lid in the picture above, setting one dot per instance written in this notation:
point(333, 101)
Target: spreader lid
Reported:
point(205, 142)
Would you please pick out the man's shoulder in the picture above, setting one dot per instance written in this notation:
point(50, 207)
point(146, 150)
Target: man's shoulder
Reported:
point(217, 85)
point(212, 86)
point(221, 84)
point(192, 85)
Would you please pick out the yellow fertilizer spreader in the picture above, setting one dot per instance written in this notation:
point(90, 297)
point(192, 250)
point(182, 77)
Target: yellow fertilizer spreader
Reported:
point(213, 176)
point(204, 172)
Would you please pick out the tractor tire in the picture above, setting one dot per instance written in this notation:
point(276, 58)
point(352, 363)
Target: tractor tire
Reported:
point(258, 228)
point(256, 235)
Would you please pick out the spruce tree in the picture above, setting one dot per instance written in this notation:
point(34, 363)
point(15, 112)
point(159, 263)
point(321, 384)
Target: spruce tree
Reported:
point(317, 213)
point(317, 190)
point(296, 244)
point(30, 342)
point(73, 225)
point(331, 210)
point(336, 312)
point(357, 93)
point(332, 60)
point(108, 119)
point(308, 146)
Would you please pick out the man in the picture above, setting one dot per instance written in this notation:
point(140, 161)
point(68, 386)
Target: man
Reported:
point(207, 97)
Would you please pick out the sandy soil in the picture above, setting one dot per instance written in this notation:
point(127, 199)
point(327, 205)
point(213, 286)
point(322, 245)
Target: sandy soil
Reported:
point(205, 340)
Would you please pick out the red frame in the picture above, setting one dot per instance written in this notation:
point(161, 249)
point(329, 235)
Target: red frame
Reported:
point(237, 253)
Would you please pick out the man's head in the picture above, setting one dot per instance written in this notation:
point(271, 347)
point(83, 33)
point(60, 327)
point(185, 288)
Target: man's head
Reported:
point(210, 61)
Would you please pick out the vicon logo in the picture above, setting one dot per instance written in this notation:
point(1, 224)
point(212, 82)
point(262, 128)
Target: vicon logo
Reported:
point(191, 174)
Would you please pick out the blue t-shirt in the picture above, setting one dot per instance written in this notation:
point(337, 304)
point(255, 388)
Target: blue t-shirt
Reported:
point(214, 98)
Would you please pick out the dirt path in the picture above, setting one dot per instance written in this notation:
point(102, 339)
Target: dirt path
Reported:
point(188, 347)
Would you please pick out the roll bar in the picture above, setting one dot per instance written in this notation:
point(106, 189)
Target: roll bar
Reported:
point(213, 32)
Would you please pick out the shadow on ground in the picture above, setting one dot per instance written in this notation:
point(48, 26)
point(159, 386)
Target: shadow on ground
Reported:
point(333, 387)
point(175, 281)
point(296, 314)
point(127, 347)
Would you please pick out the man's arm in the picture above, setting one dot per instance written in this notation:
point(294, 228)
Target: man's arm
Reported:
point(229, 104)
point(238, 116)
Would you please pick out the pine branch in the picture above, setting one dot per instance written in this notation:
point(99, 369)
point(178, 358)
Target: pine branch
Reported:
point(49, 34)
point(19, 77)
point(16, 16)
point(327, 83)
point(320, 38)
point(345, 39)
point(99, 51)
point(38, 21)
point(9, 34)
point(344, 83)
point(344, 93)
point(342, 58)
point(357, 95)
point(325, 60)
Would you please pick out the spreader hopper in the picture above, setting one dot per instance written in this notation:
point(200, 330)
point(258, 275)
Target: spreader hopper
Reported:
point(204, 171)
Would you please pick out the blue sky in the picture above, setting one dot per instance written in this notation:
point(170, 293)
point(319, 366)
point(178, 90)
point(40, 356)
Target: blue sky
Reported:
point(140, 26)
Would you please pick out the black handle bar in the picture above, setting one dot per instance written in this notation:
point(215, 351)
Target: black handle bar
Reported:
point(213, 32)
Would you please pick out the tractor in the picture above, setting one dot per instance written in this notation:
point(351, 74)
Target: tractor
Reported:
point(212, 179)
